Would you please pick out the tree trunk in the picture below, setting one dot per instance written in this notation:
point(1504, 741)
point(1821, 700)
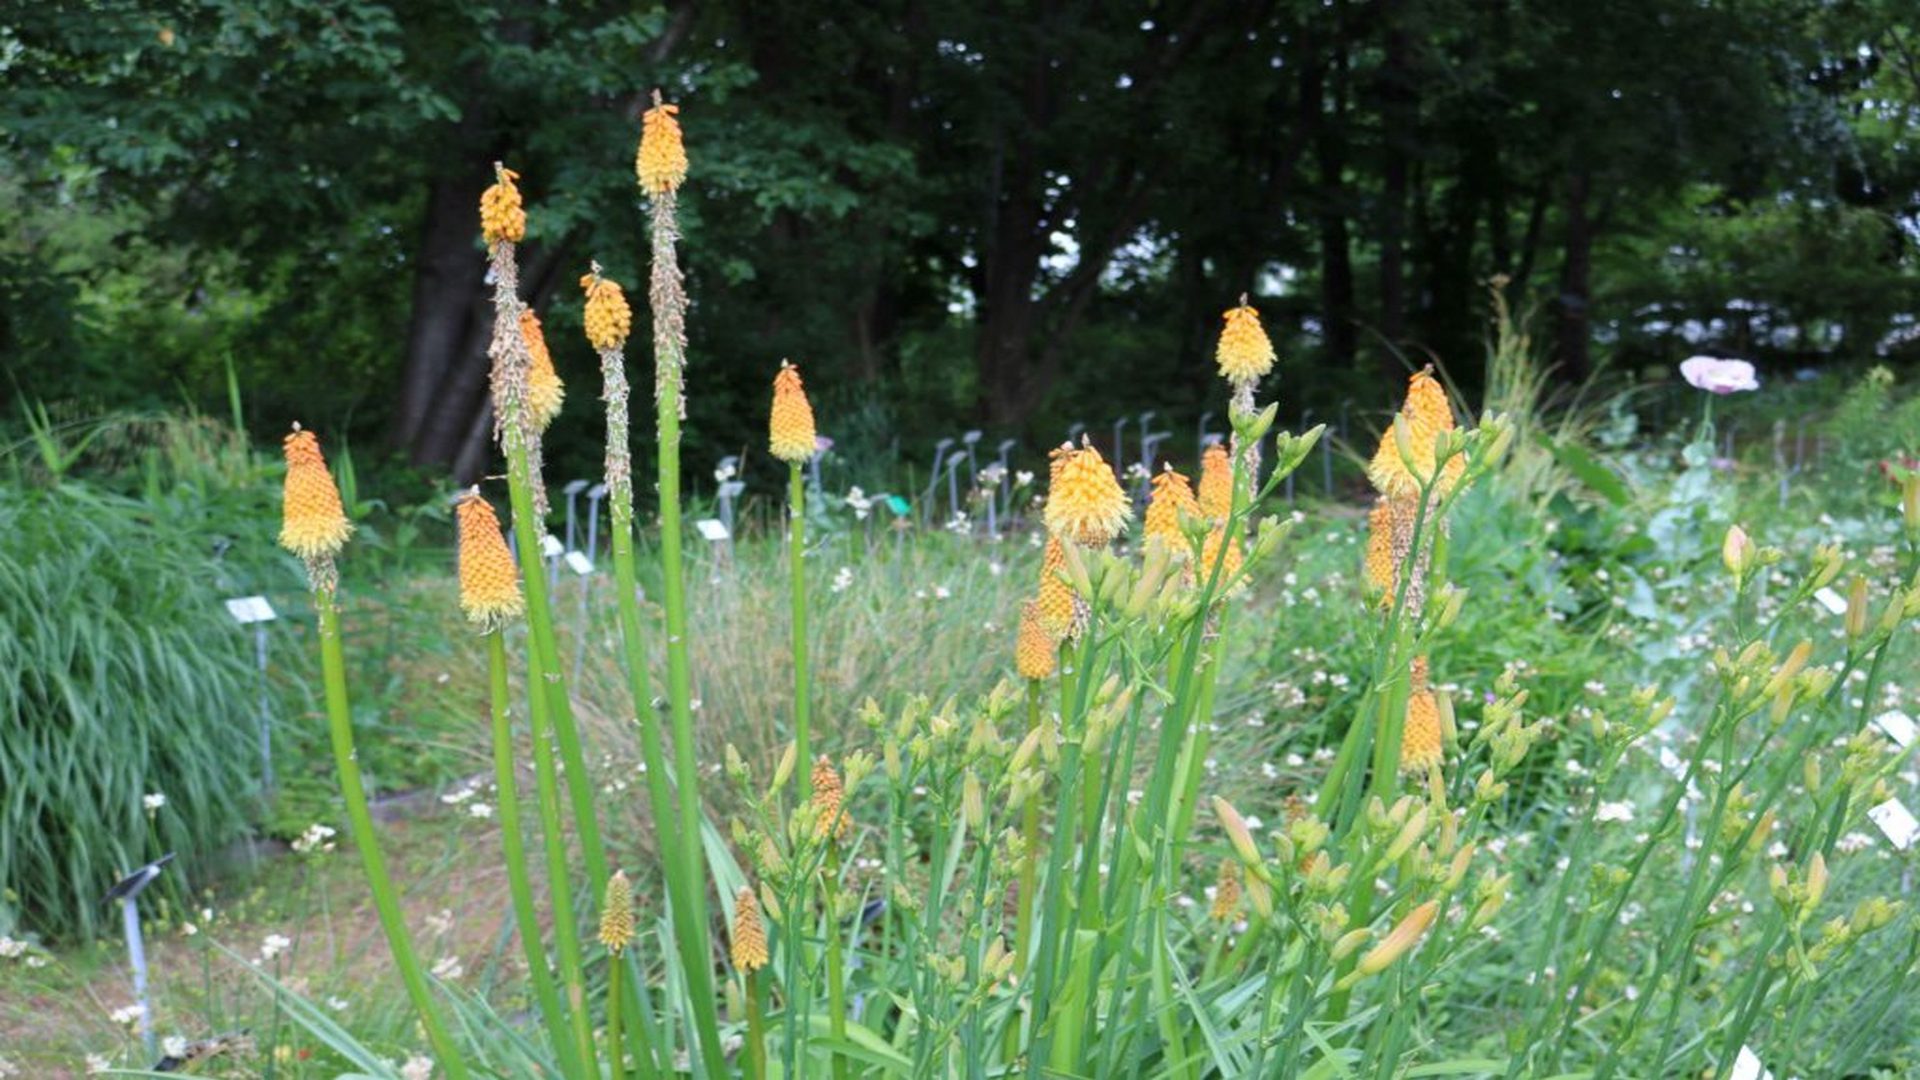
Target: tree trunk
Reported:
point(438, 389)
point(1396, 108)
point(1573, 322)
point(1336, 256)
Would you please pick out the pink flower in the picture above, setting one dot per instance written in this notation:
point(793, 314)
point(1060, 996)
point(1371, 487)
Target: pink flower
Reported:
point(1717, 375)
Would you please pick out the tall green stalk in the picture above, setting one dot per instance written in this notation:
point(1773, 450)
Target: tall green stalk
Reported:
point(836, 964)
point(513, 849)
point(797, 585)
point(566, 932)
point(669, 339)
point(333, 673)
point(616, 1053)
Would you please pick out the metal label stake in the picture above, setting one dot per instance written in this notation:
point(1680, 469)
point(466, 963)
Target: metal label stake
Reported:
point(127, 891)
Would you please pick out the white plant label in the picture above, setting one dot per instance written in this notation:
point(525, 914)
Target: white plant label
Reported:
point(578, 562)
point(250, 609)
point(1897, 726)
point(713, 529)
point(1832, 601)
point(1746, 1066)
point(1897, 822)
point(551, 547)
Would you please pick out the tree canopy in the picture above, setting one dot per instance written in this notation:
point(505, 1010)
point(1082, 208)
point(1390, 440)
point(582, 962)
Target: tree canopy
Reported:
point(1019, 214)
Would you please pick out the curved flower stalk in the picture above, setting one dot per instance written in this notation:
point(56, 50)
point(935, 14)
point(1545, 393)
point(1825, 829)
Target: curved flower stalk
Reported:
point(660, 167)
point(791, 438)
point(314, 526)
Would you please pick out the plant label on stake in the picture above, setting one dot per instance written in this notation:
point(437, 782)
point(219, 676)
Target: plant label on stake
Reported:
point(578, 562)
point(254, 611)
point(1746, 1066)
point(1897, 726)
point(127, 891)
point(712, 530)
point(1897, 822)
point(1832, 601)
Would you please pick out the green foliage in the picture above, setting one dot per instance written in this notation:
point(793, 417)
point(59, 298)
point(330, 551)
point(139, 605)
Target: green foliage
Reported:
point(123, 678)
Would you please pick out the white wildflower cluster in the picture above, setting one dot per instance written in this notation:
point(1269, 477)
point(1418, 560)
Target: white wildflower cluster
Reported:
point(273, 945)
point(843, 579)
point(125, 1015)
point(418, 1067)
point(11, 948)
point(317, 838)
point(859, 503)
point(959, 523)
point(991, 476)
point(153, 801)
point(174, 1046)
point(448, 967)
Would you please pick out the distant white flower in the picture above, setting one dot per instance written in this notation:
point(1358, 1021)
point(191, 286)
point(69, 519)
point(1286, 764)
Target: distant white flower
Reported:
point(337, 1004)
point(318, 837)
point(941, 592)
point(125, 1015)
point(189, 929)
point(1022, 478)
point(843, 579)
point(8, 1068)
point(1613, 811)
point(11, 949)
point(418, 1067)
point(858, 502)
point(273, 945)
point(1718, 376)
point(173, 1046)
point(448, 967)
point(480, 810)
point(98, 1063)
point(153, 801)
point(456, 797)
point(991, 476)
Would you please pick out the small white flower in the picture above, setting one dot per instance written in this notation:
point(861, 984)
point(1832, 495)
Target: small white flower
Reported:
point(126, 1015)
point(337, 1004)
point(1022, 478)
point(273, 945)
point(11, 949)
point(173, 1046)
point(318, 837)
point(1613, 811)
point(941, 592)
point(418, 1067)
point(98, 1063)
point(189, 929)
point(153, 801)
point(448, 967)
point(843, 579)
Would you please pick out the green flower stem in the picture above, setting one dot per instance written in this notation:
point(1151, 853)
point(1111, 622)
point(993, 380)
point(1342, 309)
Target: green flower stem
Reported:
point(333, 670)
point(836, 963)
point(756, 1030)
point(616, 1053)
point(566, 932)
point(690, 924)
point(513, 849)
point(1030, 856)
point(797, 583)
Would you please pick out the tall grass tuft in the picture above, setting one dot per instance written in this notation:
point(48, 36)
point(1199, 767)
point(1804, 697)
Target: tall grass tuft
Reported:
point(121, 677)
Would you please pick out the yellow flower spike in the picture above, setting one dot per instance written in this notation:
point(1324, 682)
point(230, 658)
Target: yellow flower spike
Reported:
point(829, 817)
point(1210, 558)
point(313, 524)
point(661, 164)
point(607, 317)
point(545, 392)
point(1244, 352)
point(1034, 651)
point(1428, 415)
point(790, 433)
point(1420, 738)
point(749, 944)
point(1086, 504)
point(1226, 893)
point(616, 914)
point(1380, 568)
point(502, 216)
point(489, 580)
point(1056, 599)
point(1172, 496)
point(1216, 483)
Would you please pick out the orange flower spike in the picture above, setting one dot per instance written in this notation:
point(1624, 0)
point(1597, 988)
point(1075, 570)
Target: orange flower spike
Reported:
point(1172, 496)
point(1244, 352)
point(1034, 649)
point(608, 318)
point(502, 216)
point(661, 164)
point(489, 578)
point(545, 392)
point(313, 524)
point(790, 432)
point(1216, 483)
point(1085, 503)
point(1428, 415)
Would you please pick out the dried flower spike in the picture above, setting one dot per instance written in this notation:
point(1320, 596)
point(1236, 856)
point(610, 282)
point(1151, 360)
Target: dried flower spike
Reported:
point(1428, 416)
point(313, 524)
point(661, 164)
point(1216, 483)
point(1172, 497)
point(545, 392)
point(616, 914)
point(608, 319)
point(829, 817)
point(790, 433)
point(1226, 892)
point(502, 217)
point(1086, 504)
point(489, 580)
point(1244, 352)
point(749, 936)
point(1034, 651)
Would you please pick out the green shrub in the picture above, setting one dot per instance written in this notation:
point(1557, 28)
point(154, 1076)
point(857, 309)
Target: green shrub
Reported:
point(121, 676)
